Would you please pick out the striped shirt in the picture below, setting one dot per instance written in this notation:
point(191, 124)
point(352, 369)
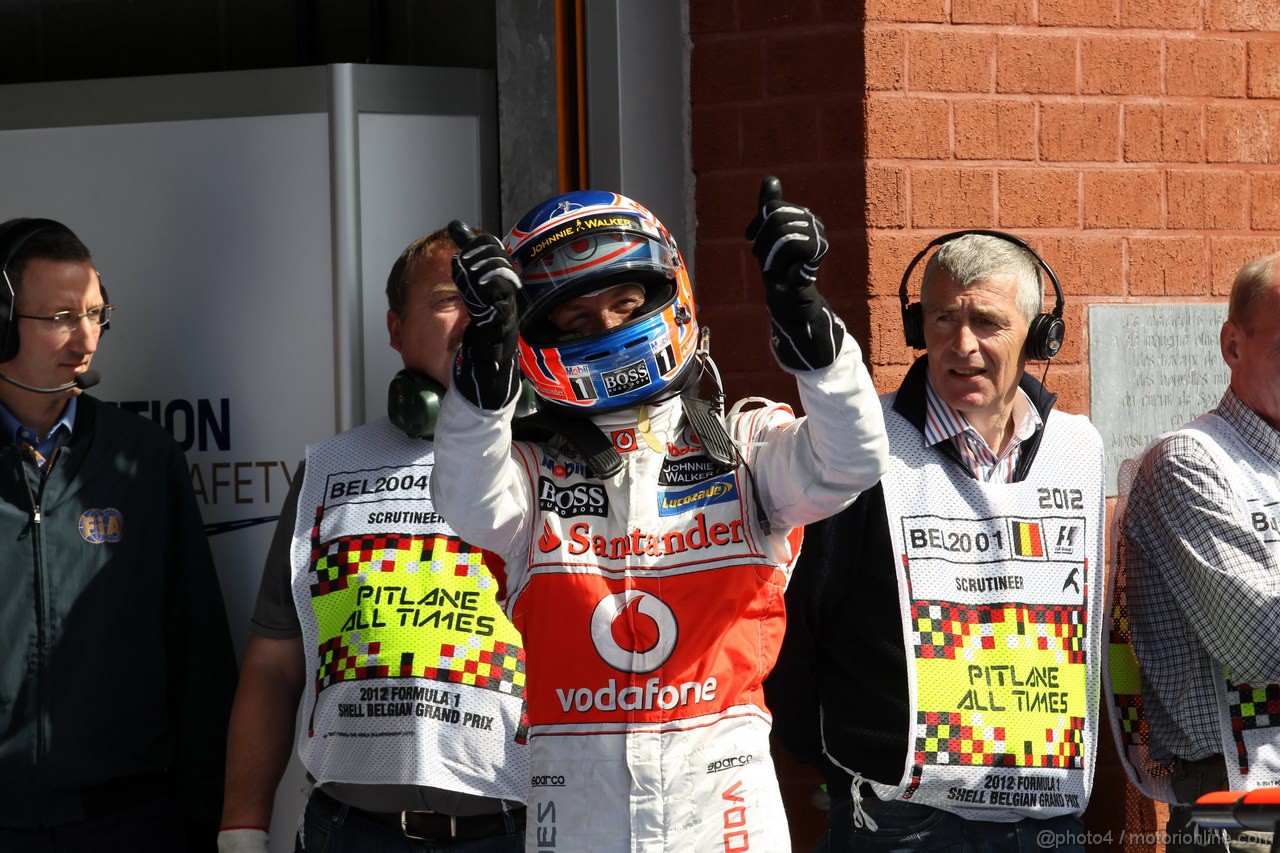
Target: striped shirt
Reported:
point(943, 423)
point(1203, 586)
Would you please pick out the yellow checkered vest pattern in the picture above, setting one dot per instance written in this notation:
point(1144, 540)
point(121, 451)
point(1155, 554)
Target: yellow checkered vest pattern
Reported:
point(1000, 588)
point(415, 676)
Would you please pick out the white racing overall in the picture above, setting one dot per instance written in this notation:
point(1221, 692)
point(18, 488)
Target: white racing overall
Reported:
point(651, 605)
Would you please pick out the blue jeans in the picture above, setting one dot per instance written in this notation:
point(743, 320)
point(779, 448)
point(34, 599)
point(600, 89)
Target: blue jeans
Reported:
point(329, 827)
point(912, 828)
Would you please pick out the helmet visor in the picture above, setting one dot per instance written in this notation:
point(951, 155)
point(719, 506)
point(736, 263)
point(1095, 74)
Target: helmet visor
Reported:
point(589, 262)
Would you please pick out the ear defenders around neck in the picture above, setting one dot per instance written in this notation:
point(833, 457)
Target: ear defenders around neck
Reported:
point(11, 240)
point(413, 403)
point(1044, 335)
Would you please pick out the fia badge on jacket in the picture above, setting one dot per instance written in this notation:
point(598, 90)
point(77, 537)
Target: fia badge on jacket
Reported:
point(101, 525)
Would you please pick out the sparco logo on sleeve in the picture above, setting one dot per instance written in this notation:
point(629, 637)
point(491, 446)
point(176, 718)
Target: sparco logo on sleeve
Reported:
point(568, 501)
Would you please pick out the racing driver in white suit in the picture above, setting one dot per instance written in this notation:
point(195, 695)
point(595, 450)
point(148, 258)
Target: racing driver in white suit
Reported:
point(647, 535)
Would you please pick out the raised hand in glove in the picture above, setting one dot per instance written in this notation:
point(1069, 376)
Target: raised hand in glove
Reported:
point(789, 243)
point(485, 371)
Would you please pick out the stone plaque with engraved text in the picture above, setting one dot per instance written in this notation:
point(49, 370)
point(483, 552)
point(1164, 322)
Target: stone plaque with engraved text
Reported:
point(1152, 368)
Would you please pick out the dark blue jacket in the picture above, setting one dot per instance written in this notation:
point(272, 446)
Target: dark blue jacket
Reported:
point(117, 671)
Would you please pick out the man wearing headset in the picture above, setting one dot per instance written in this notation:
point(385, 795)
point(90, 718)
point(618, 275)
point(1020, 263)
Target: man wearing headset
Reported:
point(387, 625)
point(118, 670)
point(942, 649)
point(647, 536)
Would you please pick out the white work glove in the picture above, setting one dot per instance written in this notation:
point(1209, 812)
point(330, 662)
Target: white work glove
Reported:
point(242, 841)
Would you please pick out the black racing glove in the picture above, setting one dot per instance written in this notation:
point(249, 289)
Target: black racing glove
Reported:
point(789, 243)
point(485, 369)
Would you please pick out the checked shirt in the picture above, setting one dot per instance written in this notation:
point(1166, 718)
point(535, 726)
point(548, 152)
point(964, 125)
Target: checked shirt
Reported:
point(1204, 588)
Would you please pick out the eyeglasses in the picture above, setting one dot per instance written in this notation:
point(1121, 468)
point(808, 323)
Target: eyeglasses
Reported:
point(69, 321)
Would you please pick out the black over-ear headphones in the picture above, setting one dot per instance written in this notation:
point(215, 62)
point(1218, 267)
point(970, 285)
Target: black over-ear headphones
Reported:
point(11, 240)
point(1044, 336)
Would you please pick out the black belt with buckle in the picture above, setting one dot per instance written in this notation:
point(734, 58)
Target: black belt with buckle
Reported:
point(434, 826)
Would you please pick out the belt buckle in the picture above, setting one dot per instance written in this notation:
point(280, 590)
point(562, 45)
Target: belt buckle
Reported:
point(404, 827)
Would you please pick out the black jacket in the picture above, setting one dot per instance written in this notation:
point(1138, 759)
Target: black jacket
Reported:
point(117, 663)
point(843, 653)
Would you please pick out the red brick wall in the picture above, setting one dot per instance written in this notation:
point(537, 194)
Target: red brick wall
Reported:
point(1134, 143)
point(775, 88)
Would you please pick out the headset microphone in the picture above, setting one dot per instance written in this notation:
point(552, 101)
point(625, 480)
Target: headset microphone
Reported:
point(85, 380)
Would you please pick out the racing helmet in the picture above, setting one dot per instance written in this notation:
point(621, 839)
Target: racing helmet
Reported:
point(581, 243)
